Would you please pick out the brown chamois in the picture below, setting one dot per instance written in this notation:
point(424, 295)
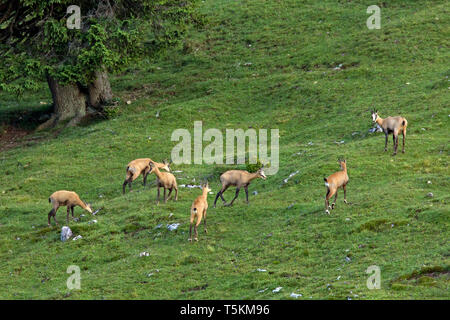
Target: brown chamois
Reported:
point(141, 166)
point(391, 125)
point(198, 209)
point(239, 179)
point(65, 198)
point(333, 183)
point(165, 180)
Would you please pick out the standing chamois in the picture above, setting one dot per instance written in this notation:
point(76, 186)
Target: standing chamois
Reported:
point(65, 198)
point(239, 179)
point(198, 209)
point(333, 183)
point(141, 166)
point(165, 180)
point(392, 125)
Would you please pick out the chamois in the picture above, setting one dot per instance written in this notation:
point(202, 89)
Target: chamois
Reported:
point(65, 198)
point(198, 209)
point(391, 125)
point(141, 166)
point(333, 183)
point(239, 179)
point(165, 180)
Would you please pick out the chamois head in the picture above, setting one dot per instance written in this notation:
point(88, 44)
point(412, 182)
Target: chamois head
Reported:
point(166, 165)
point(374, 115)
point(205, 187)
point(342, 163)
point(88, 207)
point(152, 167)
point(261, 173)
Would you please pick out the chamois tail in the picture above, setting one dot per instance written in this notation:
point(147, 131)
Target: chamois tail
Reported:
point(326, 182)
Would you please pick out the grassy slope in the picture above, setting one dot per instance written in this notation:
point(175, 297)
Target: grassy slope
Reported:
point(290, 85)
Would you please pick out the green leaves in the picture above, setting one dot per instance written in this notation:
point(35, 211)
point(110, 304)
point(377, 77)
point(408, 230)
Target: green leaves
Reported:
point(110, 37)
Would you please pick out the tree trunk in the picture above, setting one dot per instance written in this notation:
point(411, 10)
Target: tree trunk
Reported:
point(69, 103)
point(99, 90)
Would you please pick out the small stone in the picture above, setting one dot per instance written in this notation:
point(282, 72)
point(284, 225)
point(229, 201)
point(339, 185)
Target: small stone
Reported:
point(128, 102)
point(429, 182)
point(430, 195)
point(77, 237)
point(66, 233)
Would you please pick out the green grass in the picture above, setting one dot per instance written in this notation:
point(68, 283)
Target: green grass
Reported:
point(291, 84)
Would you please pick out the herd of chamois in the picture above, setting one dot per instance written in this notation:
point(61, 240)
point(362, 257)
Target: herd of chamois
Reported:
point(237, 178)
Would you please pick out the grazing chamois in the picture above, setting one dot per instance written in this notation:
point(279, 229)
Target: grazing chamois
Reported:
point(198, 210)
point(239, 179)
point(165, 180)
point(141, 166)
point(391, 125)
point(65, 198)
point(333, 183)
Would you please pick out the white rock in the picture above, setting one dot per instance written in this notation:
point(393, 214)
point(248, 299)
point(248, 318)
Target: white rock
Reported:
point(92, 221)
point(296, 295)
point(261, 270)
point(278, 289)
point(66, 233)
point(77, 237)
point(173, 226)
point(290, 176)
point(144, 254)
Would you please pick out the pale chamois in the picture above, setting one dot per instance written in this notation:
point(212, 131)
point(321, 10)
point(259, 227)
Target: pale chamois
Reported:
point(333, 183)
point(239, 179)
point(198, 210)
point(65, 198)
point(141, 166)
point(391, 125)
point(165, 180)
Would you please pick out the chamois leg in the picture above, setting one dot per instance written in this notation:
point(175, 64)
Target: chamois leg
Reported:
point(165, 199)
point(169, 195)
point(386, 142)
point(404, 137)
point(395, 139)
point(345, 192)
point(145, 179)
point(235, 196)
point(55, 209)
point(220, 194)
point(327, 202)
point(54, 218)
point(124, 186)
point(157, 197)
point(71, 209)
point(50, 214)
point(204, 221)
point(68, 213)
point(199, 219)
point(176, 193)
point(334, 202)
